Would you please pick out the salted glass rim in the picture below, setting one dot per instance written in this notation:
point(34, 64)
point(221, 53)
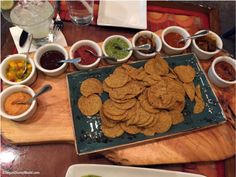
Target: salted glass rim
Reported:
point(8, 18)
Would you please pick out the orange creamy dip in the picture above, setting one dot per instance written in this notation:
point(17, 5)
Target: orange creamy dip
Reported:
point(14, 109)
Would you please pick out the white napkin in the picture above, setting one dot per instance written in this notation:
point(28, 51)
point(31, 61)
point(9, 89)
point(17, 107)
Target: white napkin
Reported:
point(123, 13)
point(16, 32)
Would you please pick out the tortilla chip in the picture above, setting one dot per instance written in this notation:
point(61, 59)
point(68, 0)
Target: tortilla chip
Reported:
point(198, 92)
point(149, 67)
point(106, 88)
point(131, 129)
point(151, 130)
point(145, 104)
point(161, 65)
point(115, 117)
point(117, 80)
point(177, 117)
point(164, 122)
point(109, 108)
point(190, 90)
point(185, 73)
point(112, 132)
point(127, 105)
point(199, 105)
point(91, 86)
point(106, 121)
point(90, 105)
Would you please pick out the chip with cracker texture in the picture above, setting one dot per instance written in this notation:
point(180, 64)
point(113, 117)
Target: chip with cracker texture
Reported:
point(164, 122)
point(131, 129)
point(117, 80)
point(90, 105)
point(111, 109)
point(127, 105)
point(106, 121)
point(91, 86)
point(177, 117)
point(112, 132)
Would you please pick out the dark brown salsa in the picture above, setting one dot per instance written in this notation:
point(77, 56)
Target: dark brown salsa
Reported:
point(49, 60)
point(146, 40)
point(226, 71)
point(206, 43)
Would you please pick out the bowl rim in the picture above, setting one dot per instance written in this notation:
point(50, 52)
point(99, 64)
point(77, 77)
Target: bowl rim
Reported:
point(187, 44)
point(91, 44)
point(158, 42)
point(206, 52)
point(44, 48)
point(226, 59)
point(26, 89)
point(21, 56)
point(117, 36)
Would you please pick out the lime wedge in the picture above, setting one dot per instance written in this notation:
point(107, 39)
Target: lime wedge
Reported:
point(6, 4)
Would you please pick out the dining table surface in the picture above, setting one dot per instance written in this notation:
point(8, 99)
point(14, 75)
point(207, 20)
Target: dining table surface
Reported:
point(53, 159)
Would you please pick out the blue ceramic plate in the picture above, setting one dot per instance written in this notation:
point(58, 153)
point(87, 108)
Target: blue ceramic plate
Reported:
point(89, 137)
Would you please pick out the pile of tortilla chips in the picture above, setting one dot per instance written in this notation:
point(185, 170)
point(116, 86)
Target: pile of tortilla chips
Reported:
point(146, 100)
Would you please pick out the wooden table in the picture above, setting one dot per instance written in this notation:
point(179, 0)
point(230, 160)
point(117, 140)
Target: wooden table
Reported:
point(54, 159)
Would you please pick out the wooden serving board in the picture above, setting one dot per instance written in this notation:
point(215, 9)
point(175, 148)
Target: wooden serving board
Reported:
point(52, 122)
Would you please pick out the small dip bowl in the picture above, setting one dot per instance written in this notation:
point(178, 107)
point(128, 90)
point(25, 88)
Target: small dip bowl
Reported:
point(88, 61)
point(170, 37)
point(109, 48)
point(12, 93)
point(12, 68)
point(199, 42)
point(46, 59)
point(144, 37)
point(222, 72)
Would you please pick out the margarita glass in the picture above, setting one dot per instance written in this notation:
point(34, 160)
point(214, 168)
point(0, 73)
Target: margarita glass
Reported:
point(35, 17)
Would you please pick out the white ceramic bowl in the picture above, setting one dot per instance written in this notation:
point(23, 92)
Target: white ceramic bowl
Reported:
point(213, 76)
point(50, 47)
point(123, 60)
point(28, 81)
point(204, 55)
point(17, 88)
point(172, 50)
point(90, 43)
point(139, 55)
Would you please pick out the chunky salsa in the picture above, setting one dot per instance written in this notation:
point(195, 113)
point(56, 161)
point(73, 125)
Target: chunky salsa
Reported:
point(15, 70)
point(207, 43)
point(173, 39)
point(226, 71)
point(86, 57)
point(146, 40)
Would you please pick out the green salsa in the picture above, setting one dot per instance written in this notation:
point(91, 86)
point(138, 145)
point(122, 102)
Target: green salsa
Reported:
point(114, 46)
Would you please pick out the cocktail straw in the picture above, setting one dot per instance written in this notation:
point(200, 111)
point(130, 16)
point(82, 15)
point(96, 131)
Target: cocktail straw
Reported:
point(88, 7)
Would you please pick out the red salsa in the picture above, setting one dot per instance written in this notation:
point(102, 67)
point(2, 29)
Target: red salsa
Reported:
point(86, 57)
point(226, 71)
point(172, 39)
point(49, 60)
